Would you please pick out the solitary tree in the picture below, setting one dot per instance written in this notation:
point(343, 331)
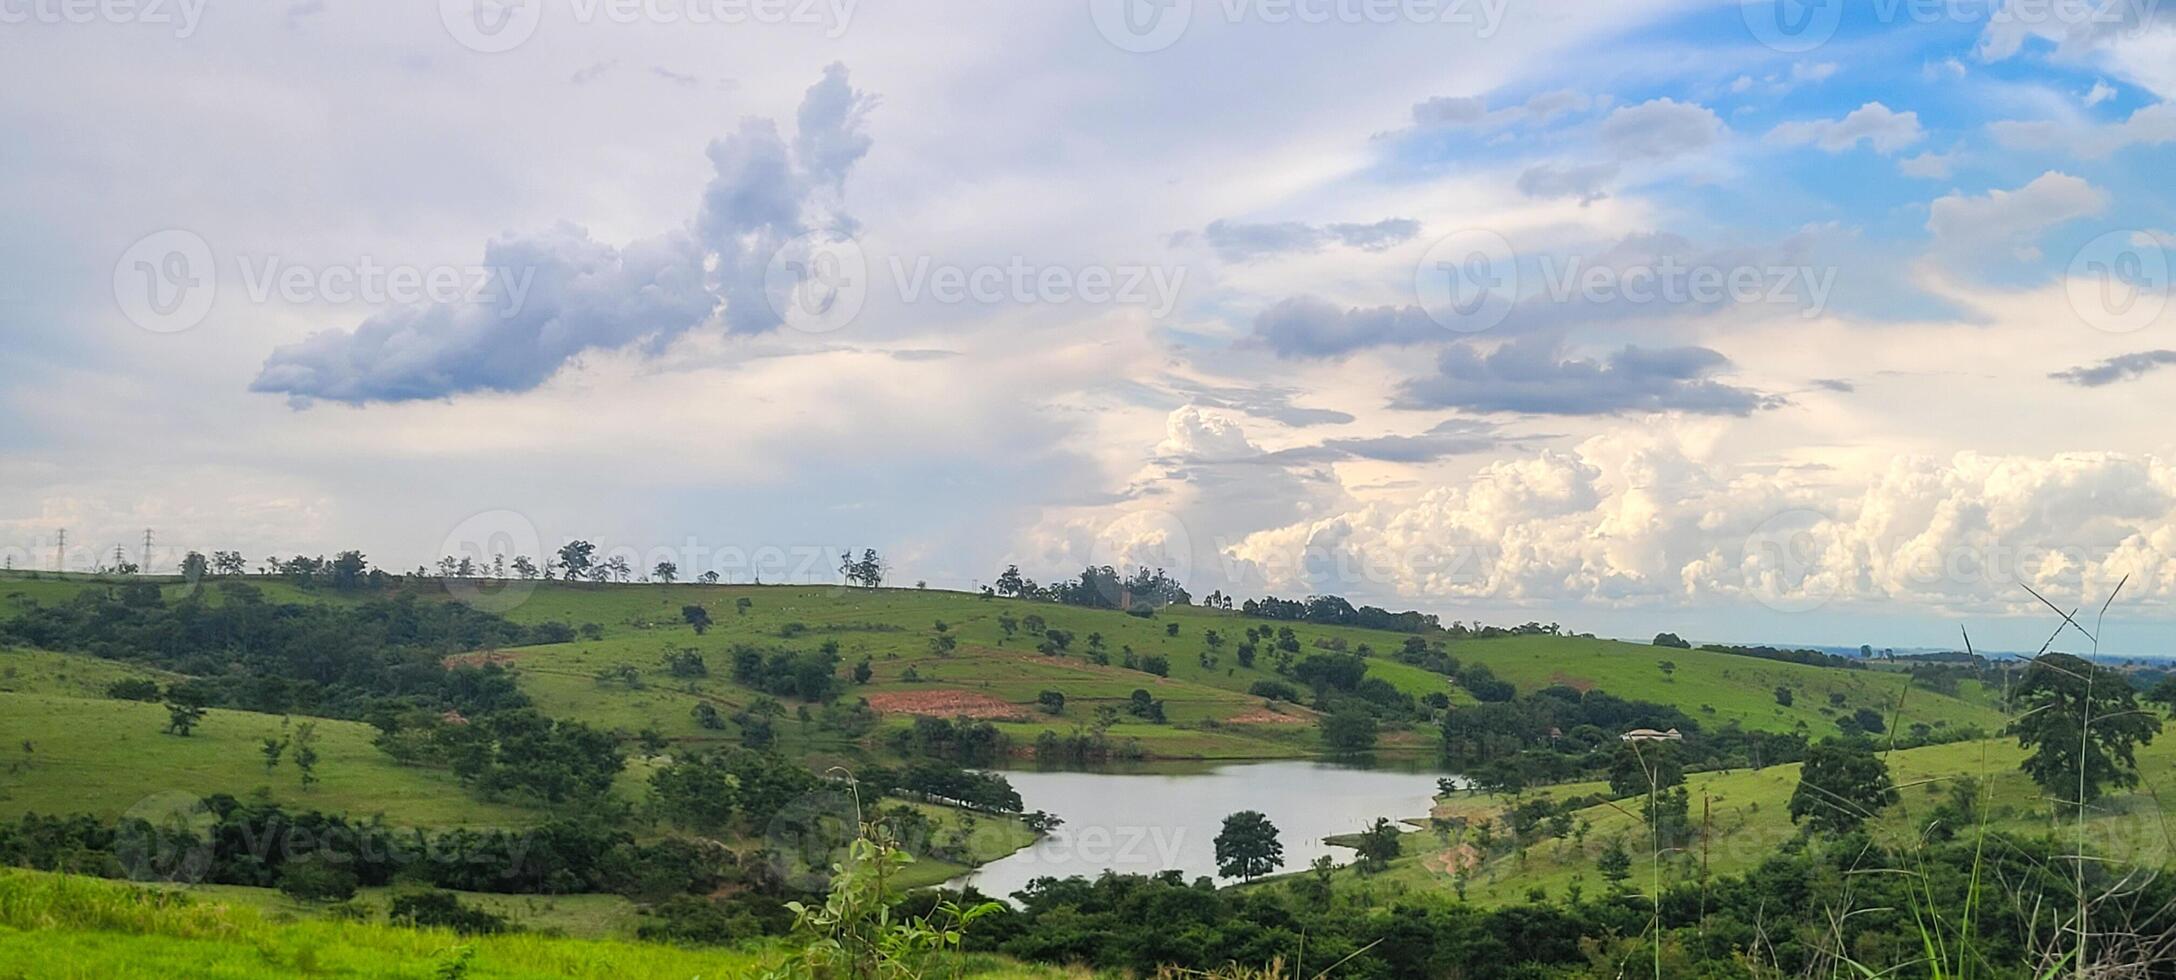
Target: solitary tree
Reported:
point(1248, 846)
point(575, 557)
point(1615, 863)
point(1842, 784)
point(183, 711)
point(1350, 729)
point(2081, 725)
point(306, 752)
point(1378, 844)
point(697, 617)
point(271, 749)
point(665, 572)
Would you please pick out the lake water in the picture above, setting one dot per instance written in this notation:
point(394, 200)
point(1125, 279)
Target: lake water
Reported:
point(1143, 823)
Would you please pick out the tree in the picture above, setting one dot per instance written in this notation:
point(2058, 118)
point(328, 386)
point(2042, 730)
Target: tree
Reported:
point(2164, 694)
point(194, 566)
point(1671, 640)
point(863, 670)
point(1638, 767)
point(1615, 863)
point(1349, 729)
point(1783, 695)
point(1052, 702)
point(2082, 725)
point(306, 752)
point(182, 714)
point(1377, 845)
point(697, 617)
point(1248, 847)
point(1842, 784)
point(575, 558)
point(524, 568)
point(271, 748)
point(665, 572)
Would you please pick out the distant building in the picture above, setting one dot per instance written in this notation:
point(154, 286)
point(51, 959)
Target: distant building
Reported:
point(1650, 735)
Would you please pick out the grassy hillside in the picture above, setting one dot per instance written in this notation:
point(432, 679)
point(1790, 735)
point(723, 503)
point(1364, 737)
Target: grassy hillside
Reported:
point(66, 755)
point(1748, 818)
point(1000, 674)
point(893, 628)
point(1720, 687)
point(57, 926)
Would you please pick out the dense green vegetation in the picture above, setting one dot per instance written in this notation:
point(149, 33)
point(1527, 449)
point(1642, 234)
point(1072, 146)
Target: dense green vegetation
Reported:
point(727, 765)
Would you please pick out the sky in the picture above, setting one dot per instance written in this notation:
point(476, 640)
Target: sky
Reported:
point(1798, 322)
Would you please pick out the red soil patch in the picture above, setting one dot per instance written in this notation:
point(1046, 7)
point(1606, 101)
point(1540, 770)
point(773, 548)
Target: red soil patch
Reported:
point(1453, 860)
point(946, 704)
point(1264, 716)
point(1580, 684)
point(478, 659)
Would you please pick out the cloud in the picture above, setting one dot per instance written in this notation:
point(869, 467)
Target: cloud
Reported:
point(1240, 241)
point(576, 294)
point(2012, 218)
point(2099, 93)
point(1534, 376)
point(1459, 111)
point(1450, 110)
point(1642, 519)
point(1887, 131)
point(1933, 166)
point(1660, 129)
point(2122, 367)
point(1582, 181)
point(1814, 71)
point(1451, 437)
point(2152, 125)
point(1272, 402)
point(1312, 327)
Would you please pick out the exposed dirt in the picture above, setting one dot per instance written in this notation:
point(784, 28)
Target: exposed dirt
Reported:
point(479, 658)
point(1264, 716)
point(1580, 684)
point(947, 703)
point(1453, 860)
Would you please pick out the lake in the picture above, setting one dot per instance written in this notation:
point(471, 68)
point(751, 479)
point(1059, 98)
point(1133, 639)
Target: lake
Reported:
point(1142, 823)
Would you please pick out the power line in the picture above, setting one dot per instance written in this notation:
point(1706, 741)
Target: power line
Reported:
point(146, 569)
point(60, 553)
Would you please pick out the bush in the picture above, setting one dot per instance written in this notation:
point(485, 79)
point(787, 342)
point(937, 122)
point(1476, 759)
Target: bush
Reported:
point(134, 689)
point(315, 880)
point(1274, 691)
point(443, 910)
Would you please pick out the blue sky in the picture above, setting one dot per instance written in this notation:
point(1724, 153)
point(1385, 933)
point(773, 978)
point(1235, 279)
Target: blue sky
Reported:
point(1632, 316)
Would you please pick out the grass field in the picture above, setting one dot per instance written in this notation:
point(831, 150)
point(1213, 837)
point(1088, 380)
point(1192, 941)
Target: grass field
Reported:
point(67, 755)
point(57, 926)
point(1747, 818)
